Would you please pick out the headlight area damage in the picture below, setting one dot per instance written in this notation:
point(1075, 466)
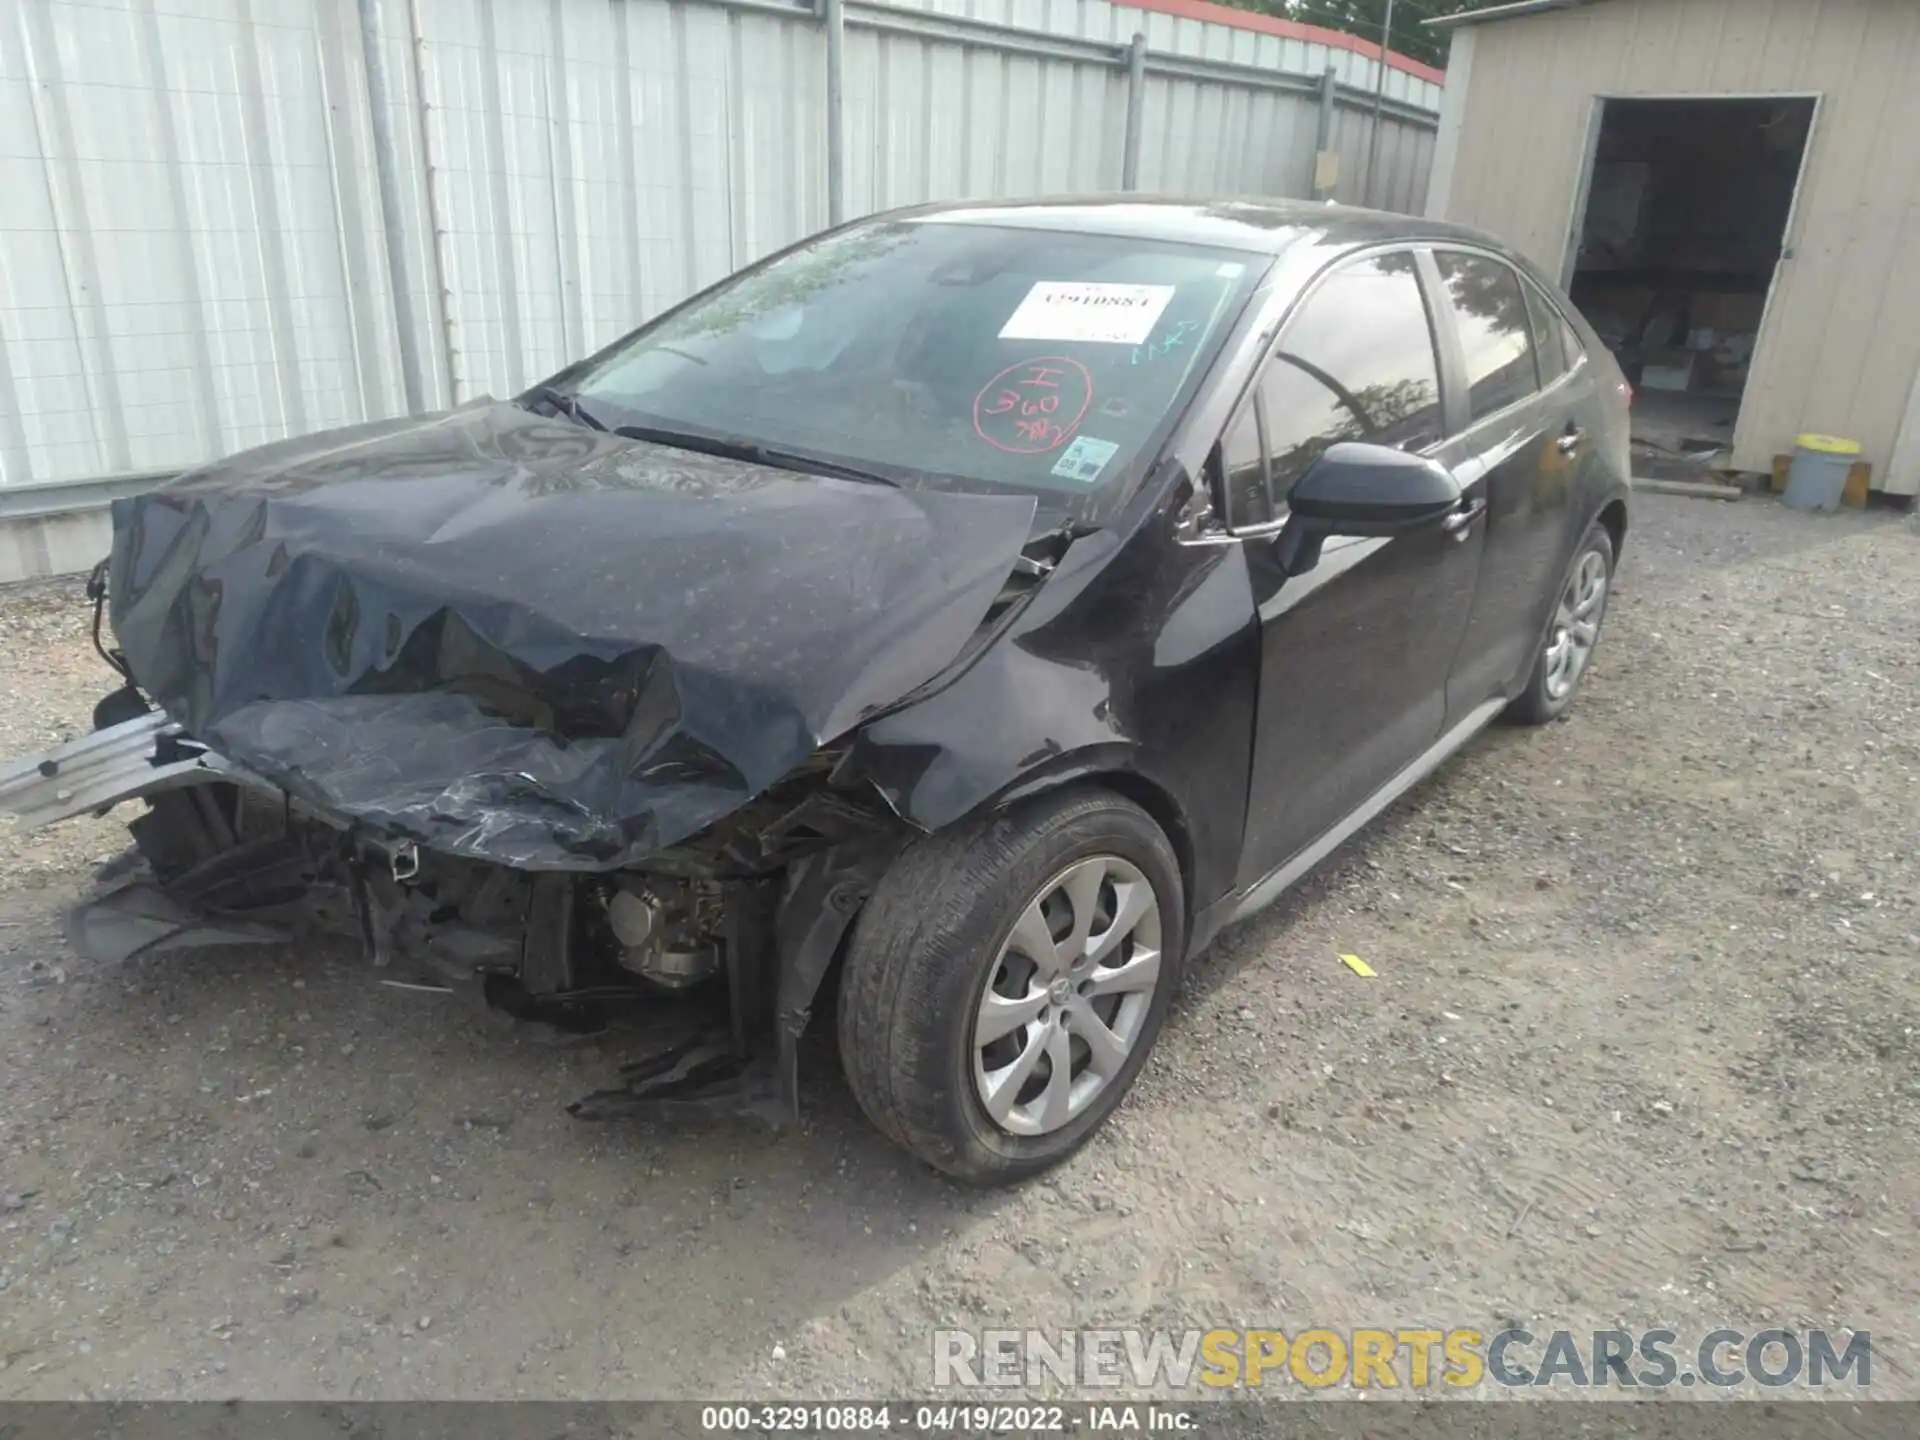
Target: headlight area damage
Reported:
point(540, 716)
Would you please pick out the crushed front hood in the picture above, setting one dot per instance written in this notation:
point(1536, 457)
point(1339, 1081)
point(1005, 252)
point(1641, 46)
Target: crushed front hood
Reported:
point(511, 638)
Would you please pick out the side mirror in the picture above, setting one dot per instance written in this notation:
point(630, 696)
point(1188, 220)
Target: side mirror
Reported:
point(1373, 490)
point(1357, 489)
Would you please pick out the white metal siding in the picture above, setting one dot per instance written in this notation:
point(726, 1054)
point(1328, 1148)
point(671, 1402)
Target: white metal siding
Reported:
point(183, 247)
point(1840, 350)
point(192, 258)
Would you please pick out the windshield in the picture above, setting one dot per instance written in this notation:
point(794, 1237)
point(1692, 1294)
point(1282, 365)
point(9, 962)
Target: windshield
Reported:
point(941, 353)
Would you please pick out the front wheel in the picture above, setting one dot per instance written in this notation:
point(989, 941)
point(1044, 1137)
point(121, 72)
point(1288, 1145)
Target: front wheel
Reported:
point(1572, 633)
point(1007, 979)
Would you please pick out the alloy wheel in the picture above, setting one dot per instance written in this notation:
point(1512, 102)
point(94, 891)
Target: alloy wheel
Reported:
point(1067, 996)
point(1576, 625)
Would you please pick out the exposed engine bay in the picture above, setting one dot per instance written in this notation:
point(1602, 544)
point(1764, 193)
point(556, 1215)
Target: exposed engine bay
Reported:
point(733, 929)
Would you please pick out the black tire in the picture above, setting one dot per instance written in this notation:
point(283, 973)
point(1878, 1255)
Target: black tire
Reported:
point(124, 704)
point(928, 943)
point(1537, 704)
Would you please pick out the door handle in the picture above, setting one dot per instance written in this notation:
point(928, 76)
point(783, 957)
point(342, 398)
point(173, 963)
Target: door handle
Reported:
point(1461, 521)
point(1571, 441)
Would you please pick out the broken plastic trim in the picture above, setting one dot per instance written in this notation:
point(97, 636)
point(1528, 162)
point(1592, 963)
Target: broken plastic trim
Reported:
point(90, 775)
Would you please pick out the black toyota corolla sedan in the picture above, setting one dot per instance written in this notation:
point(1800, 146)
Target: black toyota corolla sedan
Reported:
point(953, 620)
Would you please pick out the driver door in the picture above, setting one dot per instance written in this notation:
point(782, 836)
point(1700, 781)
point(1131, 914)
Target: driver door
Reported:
point(1355, 653)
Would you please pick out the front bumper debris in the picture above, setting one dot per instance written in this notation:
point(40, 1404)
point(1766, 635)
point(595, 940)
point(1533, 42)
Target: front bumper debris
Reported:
point(226, 858)
point(89, 776)
point(136, 918)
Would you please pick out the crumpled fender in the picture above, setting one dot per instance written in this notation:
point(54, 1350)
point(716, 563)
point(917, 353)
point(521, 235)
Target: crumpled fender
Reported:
point(1136, 661)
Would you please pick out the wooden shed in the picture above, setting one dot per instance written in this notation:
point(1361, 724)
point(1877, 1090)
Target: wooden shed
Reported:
point(1730, 191)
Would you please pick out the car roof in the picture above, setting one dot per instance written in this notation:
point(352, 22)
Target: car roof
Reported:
point(1268, 227)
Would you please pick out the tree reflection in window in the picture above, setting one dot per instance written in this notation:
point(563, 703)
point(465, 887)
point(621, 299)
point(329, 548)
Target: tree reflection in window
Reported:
point(1491, 315)
point(1356, 363)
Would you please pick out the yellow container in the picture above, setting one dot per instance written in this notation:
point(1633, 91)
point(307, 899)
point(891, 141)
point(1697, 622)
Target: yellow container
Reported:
point(1828, 445)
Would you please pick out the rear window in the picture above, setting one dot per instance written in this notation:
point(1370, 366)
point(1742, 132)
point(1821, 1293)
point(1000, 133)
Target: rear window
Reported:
point(943, 353)
point(1491, 314)
point(1547, 328)
point(1570, 342)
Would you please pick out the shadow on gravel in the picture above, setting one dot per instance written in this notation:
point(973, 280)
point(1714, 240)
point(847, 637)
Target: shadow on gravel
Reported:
point(1256, 940)
point(276, 1122)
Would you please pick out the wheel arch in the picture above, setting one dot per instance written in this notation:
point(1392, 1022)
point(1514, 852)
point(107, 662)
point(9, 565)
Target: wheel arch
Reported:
point(1108, 767)
point(1613, 515)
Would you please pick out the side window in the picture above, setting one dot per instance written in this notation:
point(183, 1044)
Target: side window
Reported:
point(1355, 363)
point(1490, 312)
point(1243, 452)
point(1547, 328)
point(1570, 344)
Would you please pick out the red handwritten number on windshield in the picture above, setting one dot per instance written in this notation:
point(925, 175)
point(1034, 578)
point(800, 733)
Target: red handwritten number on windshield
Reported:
point(1033, 406)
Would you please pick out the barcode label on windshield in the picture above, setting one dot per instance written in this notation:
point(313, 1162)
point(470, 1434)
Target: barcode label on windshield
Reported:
point(1079, 310)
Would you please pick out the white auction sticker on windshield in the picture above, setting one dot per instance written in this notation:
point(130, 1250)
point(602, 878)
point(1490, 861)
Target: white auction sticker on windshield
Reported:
point(1084, 310)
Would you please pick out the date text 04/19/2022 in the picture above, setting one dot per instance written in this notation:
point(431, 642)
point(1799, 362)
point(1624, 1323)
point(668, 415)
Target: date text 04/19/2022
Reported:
point(947, 1418)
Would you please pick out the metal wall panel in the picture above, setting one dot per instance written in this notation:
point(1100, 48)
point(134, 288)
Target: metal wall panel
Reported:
point(196, 255)
point(183, 246)
point(1840, 349)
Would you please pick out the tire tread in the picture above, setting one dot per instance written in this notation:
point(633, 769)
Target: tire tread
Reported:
point(918, 930)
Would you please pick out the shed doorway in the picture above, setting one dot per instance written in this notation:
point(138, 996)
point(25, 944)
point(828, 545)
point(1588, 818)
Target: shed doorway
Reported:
point(1682, 221)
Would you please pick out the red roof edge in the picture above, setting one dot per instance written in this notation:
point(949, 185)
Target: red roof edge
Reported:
point(1287, 30)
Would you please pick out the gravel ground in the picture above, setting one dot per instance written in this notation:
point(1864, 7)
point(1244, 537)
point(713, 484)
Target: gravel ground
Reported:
point(1640, 1051)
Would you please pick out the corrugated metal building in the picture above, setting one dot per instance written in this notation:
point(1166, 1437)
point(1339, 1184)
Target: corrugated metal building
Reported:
point(1731, 186)
point(228, 221)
